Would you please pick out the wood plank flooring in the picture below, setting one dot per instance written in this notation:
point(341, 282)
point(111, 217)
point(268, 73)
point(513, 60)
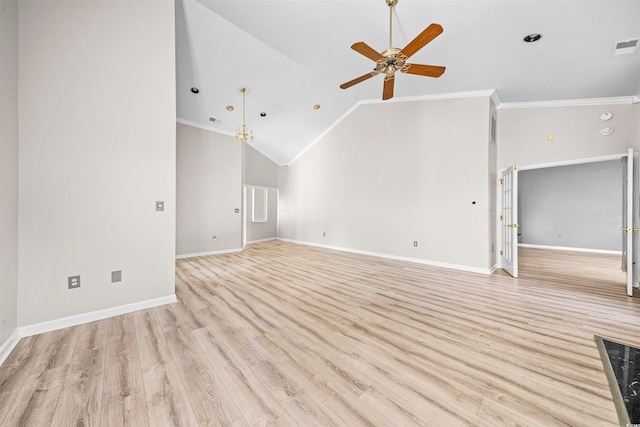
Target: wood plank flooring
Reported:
point(290, 335)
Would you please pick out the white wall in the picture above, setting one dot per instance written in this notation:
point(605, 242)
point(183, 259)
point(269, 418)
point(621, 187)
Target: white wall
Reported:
point(209, 189)
point(97, 150)
point(262, 172)
point(394, 173)
point(259, 170)
point(523, 132)
point(8, 169)
point(268, 230)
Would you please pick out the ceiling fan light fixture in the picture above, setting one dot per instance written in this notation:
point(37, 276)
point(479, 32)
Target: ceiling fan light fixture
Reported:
point(394, 59)
point(531, 38)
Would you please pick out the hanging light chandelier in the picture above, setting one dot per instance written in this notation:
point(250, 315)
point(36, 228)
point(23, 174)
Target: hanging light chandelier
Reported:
point(242, 134)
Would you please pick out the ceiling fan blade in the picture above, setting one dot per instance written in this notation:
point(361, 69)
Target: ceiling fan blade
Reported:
point(428, 34)
point(423, 70)
point(387, 90)
point(366, 50)
point(358, 80)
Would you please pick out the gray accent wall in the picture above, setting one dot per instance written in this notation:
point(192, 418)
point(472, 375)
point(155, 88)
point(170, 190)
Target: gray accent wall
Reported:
point(574, 206)
point(8, 169)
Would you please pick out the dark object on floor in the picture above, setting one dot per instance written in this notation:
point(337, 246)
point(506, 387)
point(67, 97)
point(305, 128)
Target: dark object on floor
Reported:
point(622, 367)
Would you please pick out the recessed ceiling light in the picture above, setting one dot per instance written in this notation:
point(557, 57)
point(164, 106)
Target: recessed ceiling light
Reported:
point(316, 107)
point(534, 37)
point(606, 115)
point(606, 131)
point(195, 90)
point(263, 114)
point(229, 108)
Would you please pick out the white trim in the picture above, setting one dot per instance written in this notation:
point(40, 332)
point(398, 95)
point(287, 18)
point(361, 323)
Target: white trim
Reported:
point(326, 131)
point(453, 95)
point(574, 162)
point(496, 98)
point(566, 248)
point(486, 271)
point(635, 99)
point(225, 251)
point(569, 102)
point(268, 239)
point(222, 132)
point(79, 319)
point(435, 97)
point(7, 347)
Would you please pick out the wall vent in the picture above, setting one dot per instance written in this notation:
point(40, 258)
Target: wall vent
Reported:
point(625, 47)
point(214, 120)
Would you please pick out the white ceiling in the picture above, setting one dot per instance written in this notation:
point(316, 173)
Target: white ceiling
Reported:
point(292, 54)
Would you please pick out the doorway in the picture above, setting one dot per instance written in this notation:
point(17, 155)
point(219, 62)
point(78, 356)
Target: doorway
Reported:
point(571, 211)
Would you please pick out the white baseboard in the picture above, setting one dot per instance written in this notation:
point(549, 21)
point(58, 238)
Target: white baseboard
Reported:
point(7, 347)
point(225, 251)
point(262, 240)
point(65, 322)
point(565, 248)
point(487, 271)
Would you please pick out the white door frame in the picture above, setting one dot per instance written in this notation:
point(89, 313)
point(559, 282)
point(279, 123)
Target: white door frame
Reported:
point(566, 163)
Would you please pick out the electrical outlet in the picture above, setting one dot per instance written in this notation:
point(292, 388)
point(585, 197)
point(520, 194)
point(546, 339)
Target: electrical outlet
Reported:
point(74, 282)
point(116, 276)
point(415, 243)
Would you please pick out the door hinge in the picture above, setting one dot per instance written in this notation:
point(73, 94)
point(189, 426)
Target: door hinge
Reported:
point(501, 181)
point(501, 217)
point(501, 253)
point(515, 167)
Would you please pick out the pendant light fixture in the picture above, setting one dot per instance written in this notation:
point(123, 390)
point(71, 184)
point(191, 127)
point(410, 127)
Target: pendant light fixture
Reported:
point(242, 134)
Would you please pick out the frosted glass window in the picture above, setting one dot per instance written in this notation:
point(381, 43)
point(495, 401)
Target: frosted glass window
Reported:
point(259, 204)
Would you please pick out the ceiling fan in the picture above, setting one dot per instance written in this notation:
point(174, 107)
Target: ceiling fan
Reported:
point(394, 59)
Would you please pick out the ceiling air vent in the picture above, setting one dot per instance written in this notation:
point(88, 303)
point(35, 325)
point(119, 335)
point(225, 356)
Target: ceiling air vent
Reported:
point(625, 47)
point(214, 120)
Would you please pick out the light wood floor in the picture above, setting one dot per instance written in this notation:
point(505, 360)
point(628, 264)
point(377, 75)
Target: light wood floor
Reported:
point(284, 334)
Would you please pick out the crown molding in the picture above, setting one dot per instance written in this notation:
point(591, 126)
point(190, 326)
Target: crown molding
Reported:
point(205, 127)
point(620, 100)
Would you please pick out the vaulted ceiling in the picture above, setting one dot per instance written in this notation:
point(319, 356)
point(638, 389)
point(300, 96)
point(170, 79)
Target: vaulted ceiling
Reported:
point(293, 54)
